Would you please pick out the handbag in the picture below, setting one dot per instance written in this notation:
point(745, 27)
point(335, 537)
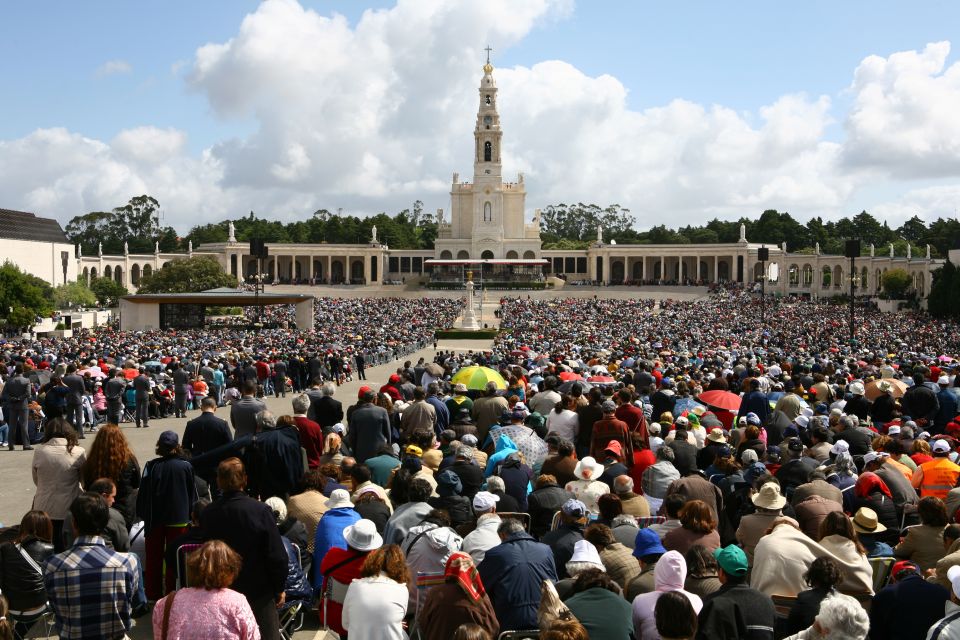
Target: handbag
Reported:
point(164, 627)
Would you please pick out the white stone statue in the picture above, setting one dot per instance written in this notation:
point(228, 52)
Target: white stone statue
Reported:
point(599, 233)
point(928, 252)
point(536, 218)
point(373, 234)
point(79, 250)
point(743, 232)
point(190, 246)
point(99, 248)
point(871, 250)
point(909, 251)
point(783, 247)
point(440, 216)
point(156, 247)
point(231, 232)
point(816, 248)
point(891, 249)
point(126, 248)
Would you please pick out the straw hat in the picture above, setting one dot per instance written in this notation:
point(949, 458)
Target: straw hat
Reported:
point(769, 497)
point(716, 435)
point(865, 521)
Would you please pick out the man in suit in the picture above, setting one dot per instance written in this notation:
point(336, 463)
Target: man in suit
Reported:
point(326, 410)
point(243, 412)
point(206, 432)
point(316, 367)
point(141, 388)
point(315, 393)
point(280, 378)
point(181, 381)
point(369, 428)
point(114, 389)
point(361, 365)
point(75, 398)
point(18, 391)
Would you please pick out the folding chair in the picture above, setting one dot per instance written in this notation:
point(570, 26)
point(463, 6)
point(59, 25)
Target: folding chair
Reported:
point(865, 599)
point(129, 406)
point(881, 572)
point(783, 604)
point(30, 619)
point(183, 578)
point(292, 613)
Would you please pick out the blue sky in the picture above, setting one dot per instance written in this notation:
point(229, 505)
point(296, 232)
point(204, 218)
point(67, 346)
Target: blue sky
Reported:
point(742, 56)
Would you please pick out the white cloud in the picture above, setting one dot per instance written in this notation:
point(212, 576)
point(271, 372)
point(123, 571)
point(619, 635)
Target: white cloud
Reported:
point(114, 67)
point(371, 116)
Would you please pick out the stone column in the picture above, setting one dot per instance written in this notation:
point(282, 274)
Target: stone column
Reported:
point(366, 269)
point(310, 270)
point(606, 267)
point(663, 268)
point(716, 268)
point(328, 273)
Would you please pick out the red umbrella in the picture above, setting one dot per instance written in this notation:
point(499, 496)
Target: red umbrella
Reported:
point(600, 379)
point(720, 399)
point(570, 375)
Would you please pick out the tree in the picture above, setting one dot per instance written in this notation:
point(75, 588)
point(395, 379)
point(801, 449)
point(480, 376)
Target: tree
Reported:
point(187, 275)
point(107, 291)
point(895, 283)
point(73, 294)
point(23, 297)
point(136, 223)
point(944, 292)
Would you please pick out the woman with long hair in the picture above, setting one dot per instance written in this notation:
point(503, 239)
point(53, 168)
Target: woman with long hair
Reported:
point(110, 457)
point(19, 578)
point(460, 600)
point(167, 493)
point(838, 536)
point(697, 526)
point(208, 608)
point(376, 603)
point(56, 473)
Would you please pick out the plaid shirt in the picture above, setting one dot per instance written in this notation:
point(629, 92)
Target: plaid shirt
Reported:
point(90, 588)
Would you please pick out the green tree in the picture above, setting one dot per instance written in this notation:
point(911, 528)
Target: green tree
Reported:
point(23, 297)
point(73, 294)
point(944, 292)
point(913, 229)
point(136, 223)
point(108, 291)
point(895, 283)
point(187, 275)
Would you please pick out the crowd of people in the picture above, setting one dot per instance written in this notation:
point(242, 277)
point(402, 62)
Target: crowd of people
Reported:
point(649, 470)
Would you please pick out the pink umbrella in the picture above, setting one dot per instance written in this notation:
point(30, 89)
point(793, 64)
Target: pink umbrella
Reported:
point(601, 379)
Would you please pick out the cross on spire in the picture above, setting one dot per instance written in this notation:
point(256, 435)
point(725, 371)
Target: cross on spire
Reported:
point(488, 50)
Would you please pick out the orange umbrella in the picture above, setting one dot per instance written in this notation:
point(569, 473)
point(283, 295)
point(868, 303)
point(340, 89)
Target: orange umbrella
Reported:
point(570, 375)
point(877, 388)
point(720, 399)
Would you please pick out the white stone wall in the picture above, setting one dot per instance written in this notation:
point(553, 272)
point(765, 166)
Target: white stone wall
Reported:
point(41, 259)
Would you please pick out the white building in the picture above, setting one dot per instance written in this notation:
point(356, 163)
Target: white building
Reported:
point(37, 245)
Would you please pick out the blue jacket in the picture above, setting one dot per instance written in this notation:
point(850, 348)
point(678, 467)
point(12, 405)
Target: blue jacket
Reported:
point(756, 402)
point(505, 446)
point(330, 534)
point(947, 410)
point(923, 600)
point(512, 573)
point(296, 587)
point(443, 413)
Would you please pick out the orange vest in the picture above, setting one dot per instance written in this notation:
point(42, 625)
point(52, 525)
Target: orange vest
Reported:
point(939, 476)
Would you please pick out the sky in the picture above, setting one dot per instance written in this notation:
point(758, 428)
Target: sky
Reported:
point(678, 111)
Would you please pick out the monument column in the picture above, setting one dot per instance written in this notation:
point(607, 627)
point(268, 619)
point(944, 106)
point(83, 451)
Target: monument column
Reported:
point(366, 269)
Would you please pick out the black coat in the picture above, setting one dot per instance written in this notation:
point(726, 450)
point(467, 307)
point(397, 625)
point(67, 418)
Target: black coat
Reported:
point(205, 433)
point(248, 526)
point(327, 412)
point(19, 581)
point(471, 478)
point(686, 456)
point(369, 430)
point(736, 612)
point(543, 503)
point(375, 511)
point(274, 462)
point(561, 541)
point(167, 492)
point(458, 507)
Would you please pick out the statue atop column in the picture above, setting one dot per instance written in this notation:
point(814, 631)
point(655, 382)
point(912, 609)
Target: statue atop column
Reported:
point(816, 248)
point(871, 250)
point(231, 233)
point(79, 250)
point(440, 216)
point(190, 246)
point(928, 252)
point(373, 234)
point(891, 249)
point(599, 233)
point(156, 247)
point(909, 251)
point(126, 248)
point(100, 249)
point(743, 232)
point(783, 247)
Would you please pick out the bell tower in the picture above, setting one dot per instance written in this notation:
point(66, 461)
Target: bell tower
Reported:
point(487, 134)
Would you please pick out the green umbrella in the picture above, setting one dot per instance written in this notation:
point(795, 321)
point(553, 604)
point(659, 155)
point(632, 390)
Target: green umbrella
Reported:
point(476, 378)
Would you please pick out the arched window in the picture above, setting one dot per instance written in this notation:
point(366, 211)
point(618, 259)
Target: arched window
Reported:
point(487, 211)
point(487, 151)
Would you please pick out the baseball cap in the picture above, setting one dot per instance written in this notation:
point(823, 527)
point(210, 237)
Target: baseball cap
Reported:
point(168, 439)
point(795, 444)
point(413, 450)
point(615, 447)
point(941, 446)
point(469, 439)
point(840, 446)
point(903, 568)
point(943, 380)
point(484, 501)
point(871, 456)
point(574, 508)
point(893, 430)
point(362, 391)
point(647, 543)
point(608, 406)
point(733, 560)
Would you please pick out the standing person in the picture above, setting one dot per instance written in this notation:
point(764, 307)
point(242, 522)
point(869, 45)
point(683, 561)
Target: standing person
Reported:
point(206, 432)
point(141, 388)
point(210, 609)
point(361, 365)
point(326, 410)
point(280, 378)
point(110, 457)
point(249, 528)
point(461, 599)
point(90, 587)
point(310, 433)
point(376, 604)
point(181, 382)
point(513, 572)
point(369, 428)
point(488, 409)
point(56, 474)
point(167, 492)
point(18, 391)
point(243, 412)
point(114, 390)
point(608, 428)
point(74, 381)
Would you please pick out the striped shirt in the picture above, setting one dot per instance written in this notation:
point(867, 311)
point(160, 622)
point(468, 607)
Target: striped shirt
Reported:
point(91, 588)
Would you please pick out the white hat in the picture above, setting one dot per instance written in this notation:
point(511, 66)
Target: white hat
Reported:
point(279, 508)
point(802, 421)
point(769, 497)
point(940, 446)
point(945, 380)
point(584, 551)
point(682, 421)
point(856, 388)
point(362, 535)
point(593, 469)
point(807, 412)
point(953, 575)
point(893, 430)
point(484, 501)
point(840, 446)
point(338, 499)
point(870, 456)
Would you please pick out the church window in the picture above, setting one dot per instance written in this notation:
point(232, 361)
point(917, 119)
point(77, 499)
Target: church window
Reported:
point(487, 212)
point(487, 151)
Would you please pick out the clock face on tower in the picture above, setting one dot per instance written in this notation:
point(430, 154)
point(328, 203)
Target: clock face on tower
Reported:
point(487, 119)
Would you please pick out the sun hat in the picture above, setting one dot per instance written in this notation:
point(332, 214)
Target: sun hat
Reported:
point(865, 521)
point(362, 535)
point(769, 497)
point(716, 435)
point(588, 469)
point(484, 501)
point(840, 446)
point(339, 499)
point(459, 388)
point(856, 388)
point(614, 447)
point(647, 543)
point(584, 551)
point(953, 575)
point(732, 560)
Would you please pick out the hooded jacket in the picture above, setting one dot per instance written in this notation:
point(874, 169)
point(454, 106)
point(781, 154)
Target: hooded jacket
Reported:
point(516, 479)
point(504, 447)
point(669, 575)
point(427, 547)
